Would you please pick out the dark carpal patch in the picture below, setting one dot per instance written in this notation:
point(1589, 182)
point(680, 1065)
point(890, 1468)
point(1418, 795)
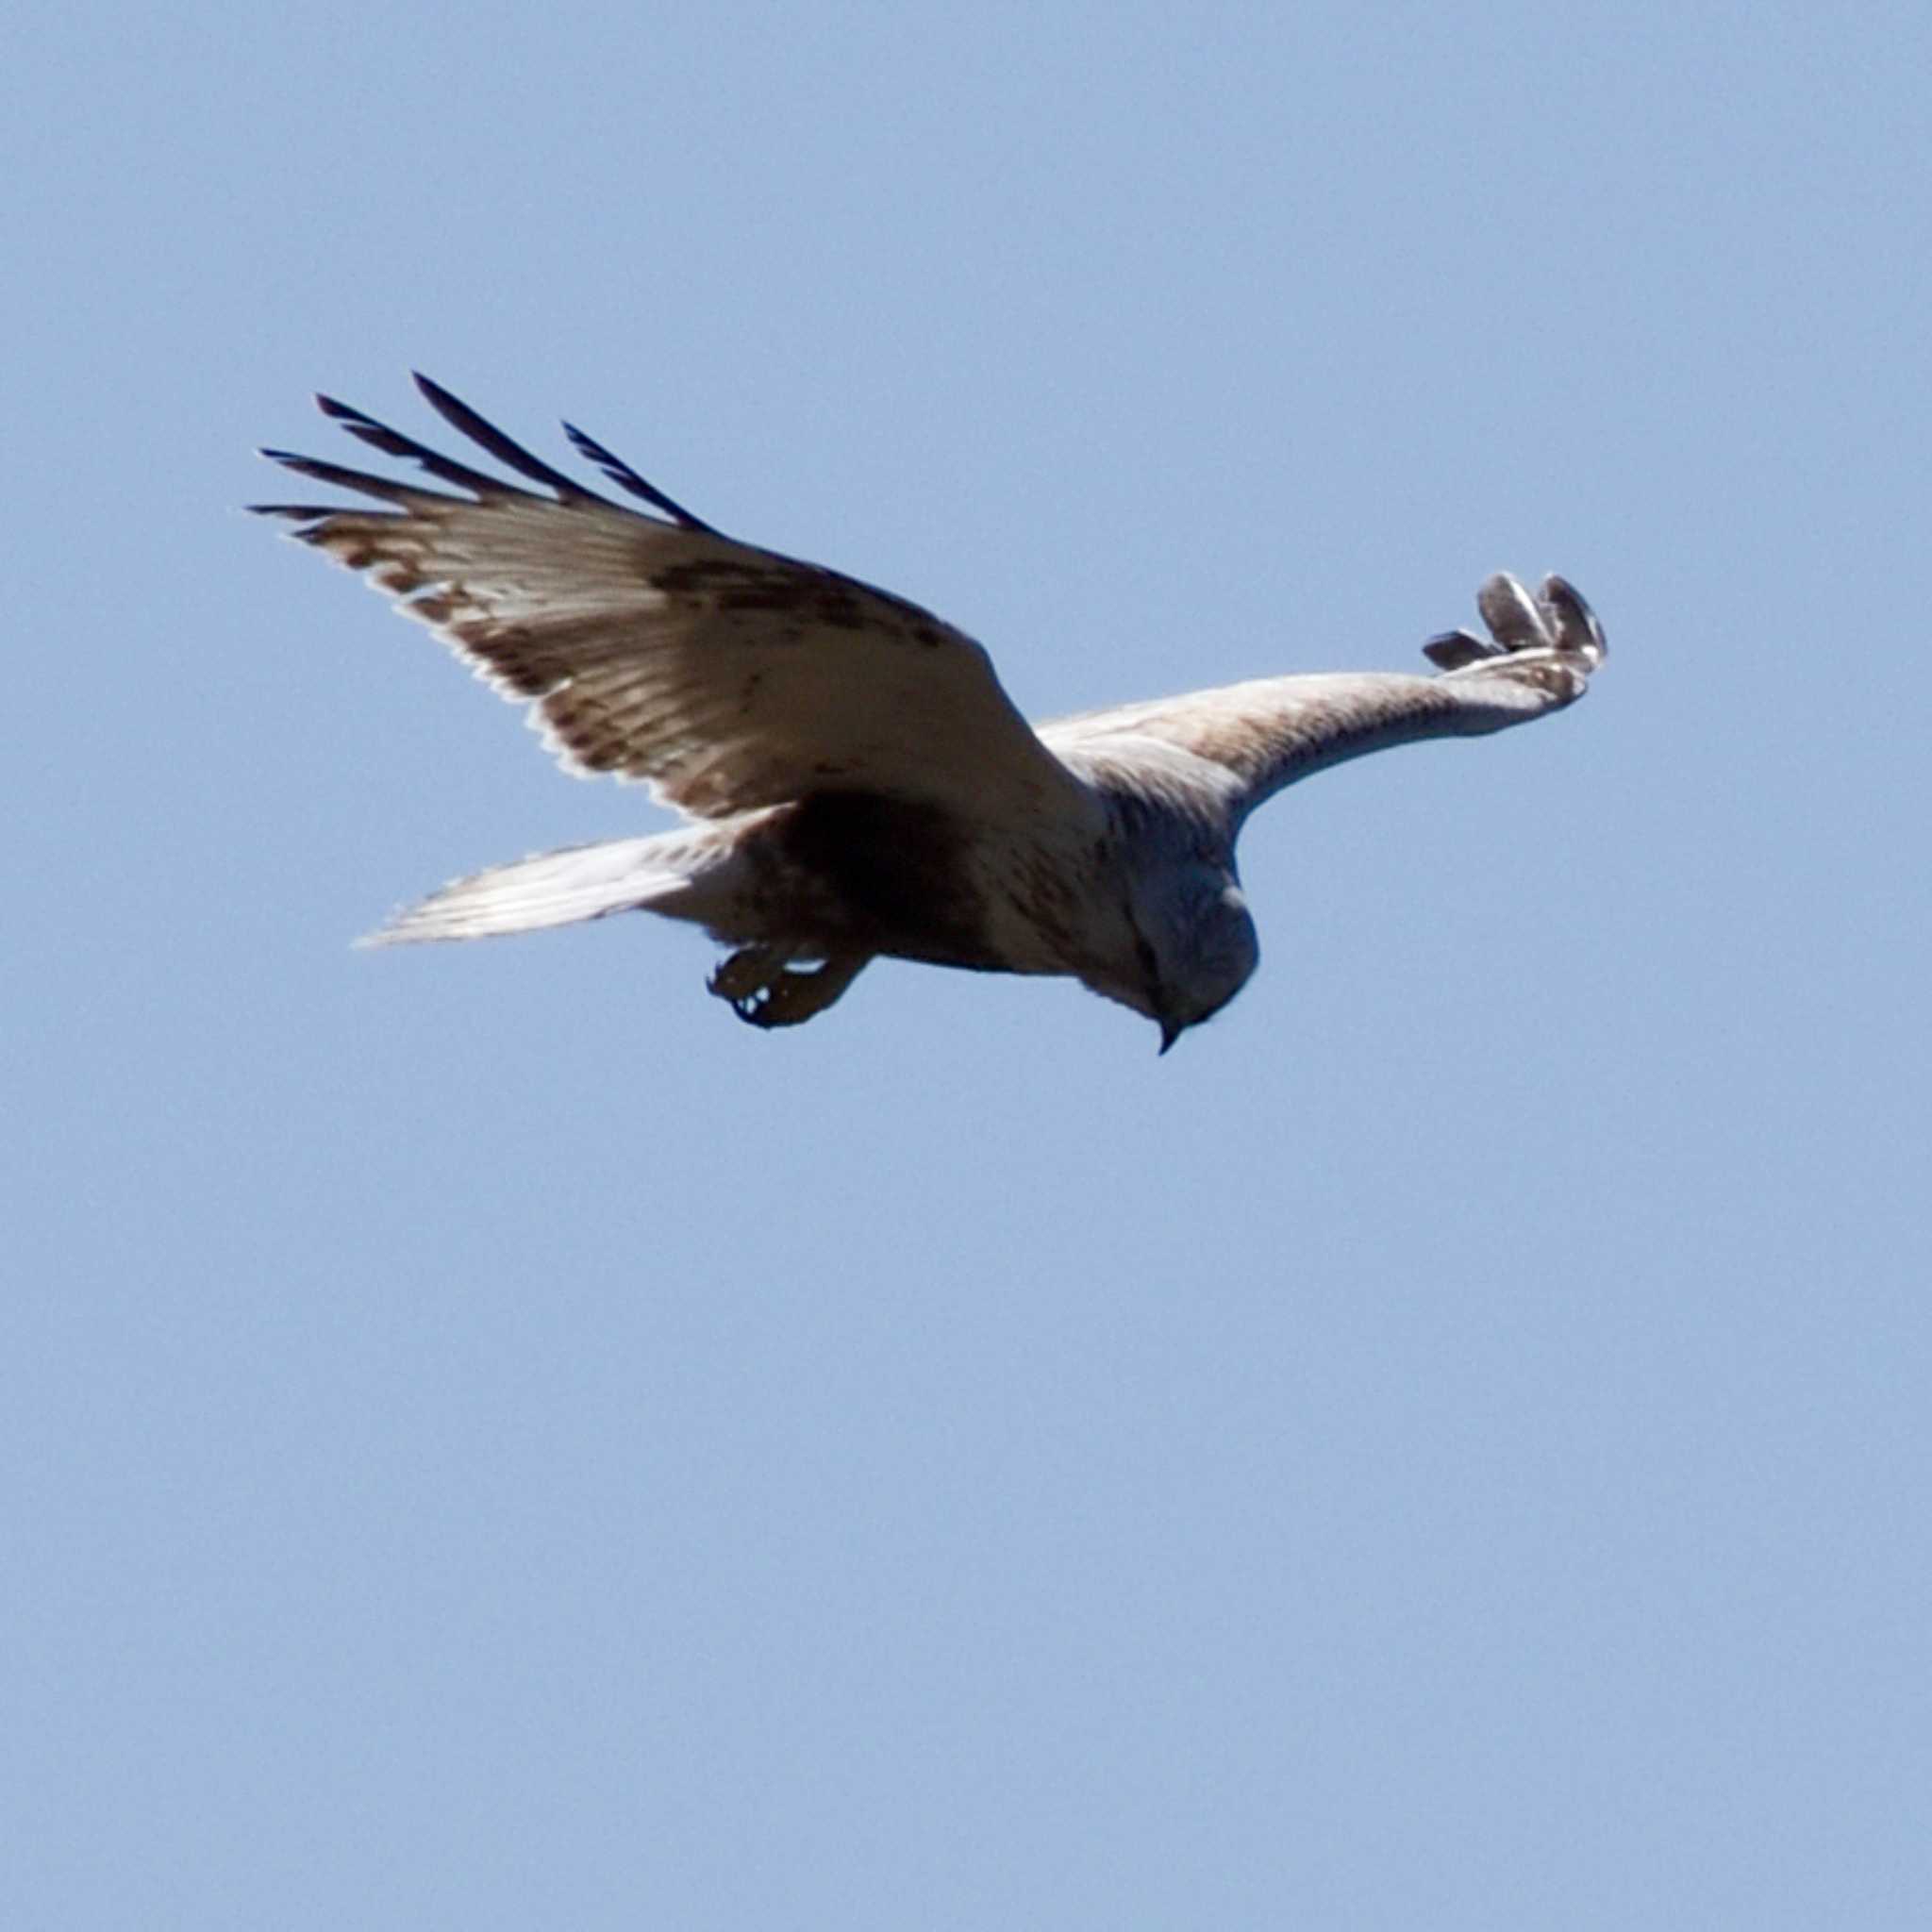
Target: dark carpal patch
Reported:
point(899, 868)
point(818, 596)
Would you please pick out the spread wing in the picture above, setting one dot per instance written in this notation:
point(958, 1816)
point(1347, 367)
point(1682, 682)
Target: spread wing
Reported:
point(722, 676)
point(1538, 657)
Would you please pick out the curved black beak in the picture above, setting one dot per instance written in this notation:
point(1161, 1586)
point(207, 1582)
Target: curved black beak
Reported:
point(1169, 1034)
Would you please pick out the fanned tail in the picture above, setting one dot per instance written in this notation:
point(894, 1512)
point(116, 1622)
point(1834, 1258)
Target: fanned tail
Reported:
point(551, 889)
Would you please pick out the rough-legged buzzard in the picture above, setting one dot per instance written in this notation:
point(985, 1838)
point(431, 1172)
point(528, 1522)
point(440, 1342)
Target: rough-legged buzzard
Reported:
point(853, 780)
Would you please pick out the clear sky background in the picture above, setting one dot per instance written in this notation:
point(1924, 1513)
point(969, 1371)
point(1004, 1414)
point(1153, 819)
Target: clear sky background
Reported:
point(490, 1442)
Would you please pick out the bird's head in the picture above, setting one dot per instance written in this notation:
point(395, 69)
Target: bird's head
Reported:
point(1195, 947)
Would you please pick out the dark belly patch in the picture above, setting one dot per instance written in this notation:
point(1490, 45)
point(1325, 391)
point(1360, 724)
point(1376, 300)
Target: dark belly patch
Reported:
point(897, 867)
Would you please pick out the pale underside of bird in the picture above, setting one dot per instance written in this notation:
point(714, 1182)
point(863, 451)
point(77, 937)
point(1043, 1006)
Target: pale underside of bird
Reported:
point(855, 782)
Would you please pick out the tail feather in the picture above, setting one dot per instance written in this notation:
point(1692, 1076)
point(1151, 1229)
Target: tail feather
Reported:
point(551, 889)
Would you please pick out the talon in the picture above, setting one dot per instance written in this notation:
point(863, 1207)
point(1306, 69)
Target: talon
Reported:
point(777, 1003)
point(746, 972)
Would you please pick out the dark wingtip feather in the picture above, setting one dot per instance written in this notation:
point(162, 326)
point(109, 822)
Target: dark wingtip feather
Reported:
point(1453, 649)
point(1577, 626)
point(626, 477)
point(383, 488)
point(460, 415)
point(392, 442)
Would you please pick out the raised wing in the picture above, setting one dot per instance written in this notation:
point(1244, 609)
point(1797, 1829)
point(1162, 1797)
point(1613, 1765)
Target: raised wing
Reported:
point(724, 676)
point(1538, 657)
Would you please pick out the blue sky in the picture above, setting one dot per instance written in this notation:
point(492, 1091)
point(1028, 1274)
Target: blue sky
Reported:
point(491, 1441)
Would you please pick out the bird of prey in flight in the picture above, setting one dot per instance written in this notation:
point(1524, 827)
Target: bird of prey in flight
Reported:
point(853, 779)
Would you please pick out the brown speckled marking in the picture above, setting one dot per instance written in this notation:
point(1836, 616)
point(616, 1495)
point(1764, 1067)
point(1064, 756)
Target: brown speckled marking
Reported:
point(728, 585)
